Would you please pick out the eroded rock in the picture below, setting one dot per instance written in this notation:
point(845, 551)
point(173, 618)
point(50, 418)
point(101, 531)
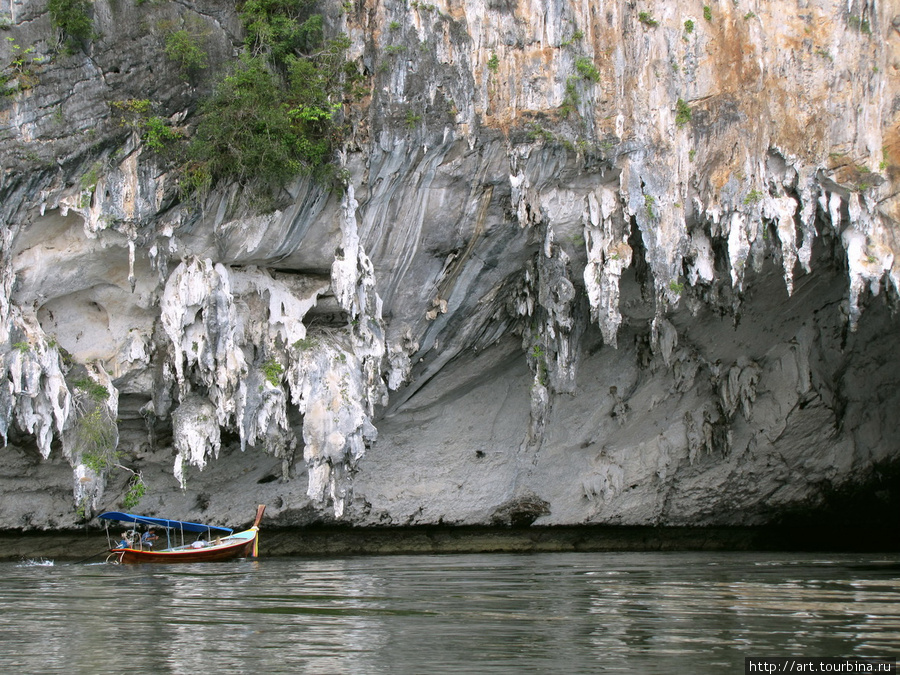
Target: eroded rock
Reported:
point(639, 271)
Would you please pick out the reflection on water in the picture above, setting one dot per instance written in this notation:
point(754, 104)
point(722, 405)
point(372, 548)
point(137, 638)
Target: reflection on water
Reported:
point(540, 613)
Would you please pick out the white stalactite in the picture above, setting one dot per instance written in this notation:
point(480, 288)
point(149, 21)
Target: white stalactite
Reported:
point(198, 315)
point(197, 434)
point(334, 378)
point(328, 387)
point(34, 391)
point(608, 256)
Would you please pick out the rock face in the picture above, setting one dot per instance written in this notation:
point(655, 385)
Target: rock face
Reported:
point(591, 263)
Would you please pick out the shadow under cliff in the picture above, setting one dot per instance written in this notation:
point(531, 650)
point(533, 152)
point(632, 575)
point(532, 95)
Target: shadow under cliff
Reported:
point(340, 541)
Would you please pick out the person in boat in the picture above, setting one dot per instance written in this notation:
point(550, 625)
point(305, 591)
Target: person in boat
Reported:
point(200, 543)
point(127, 539)
point(148, 538)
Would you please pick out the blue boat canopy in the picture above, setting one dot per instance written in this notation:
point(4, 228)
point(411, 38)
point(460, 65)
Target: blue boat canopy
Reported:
point(163, 522)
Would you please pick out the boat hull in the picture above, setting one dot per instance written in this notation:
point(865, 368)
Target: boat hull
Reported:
point(238, 545)
point(242, 549)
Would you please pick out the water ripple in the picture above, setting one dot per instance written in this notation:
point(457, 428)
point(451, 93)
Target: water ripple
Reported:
point(573, 613)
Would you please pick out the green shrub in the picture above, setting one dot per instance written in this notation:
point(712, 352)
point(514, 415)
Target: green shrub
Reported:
point(752, 197)
point(245, 130)
point(275, 29)
point(95, 390)
point(21, 69)
point(688, 26)
point(184, 48)
point(577, 35)
point(4, 90)
point(587, 69)
point(273, 117)
point(256, 129)
point(537, 132)
point(647, 19)
point(91, 177)
point(860, 24)
point(158, 134)
point(272, 371)
point(412, 119)
point(682, 113)
point(707, 12)
point(572, 99)
point(493, 63)
point(73, 19)
point(134, 108)
point(137, 488)
point(131, 111)
point(306, 343)
point(96, 437)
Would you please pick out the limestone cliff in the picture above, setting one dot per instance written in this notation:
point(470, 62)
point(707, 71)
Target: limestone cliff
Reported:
point(590, 262)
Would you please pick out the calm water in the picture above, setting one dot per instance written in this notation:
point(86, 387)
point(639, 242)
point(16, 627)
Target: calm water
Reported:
point(539, 613)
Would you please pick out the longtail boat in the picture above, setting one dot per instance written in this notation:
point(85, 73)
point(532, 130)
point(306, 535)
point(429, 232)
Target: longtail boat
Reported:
point(182, 542)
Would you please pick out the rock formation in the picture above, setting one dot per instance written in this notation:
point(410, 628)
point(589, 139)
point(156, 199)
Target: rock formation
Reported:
point(600, 262)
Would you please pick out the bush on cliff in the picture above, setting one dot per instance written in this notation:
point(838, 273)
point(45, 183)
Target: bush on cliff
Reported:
point(256, 130)
point(274, 116)
point(184, 47)
point(73, 20)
